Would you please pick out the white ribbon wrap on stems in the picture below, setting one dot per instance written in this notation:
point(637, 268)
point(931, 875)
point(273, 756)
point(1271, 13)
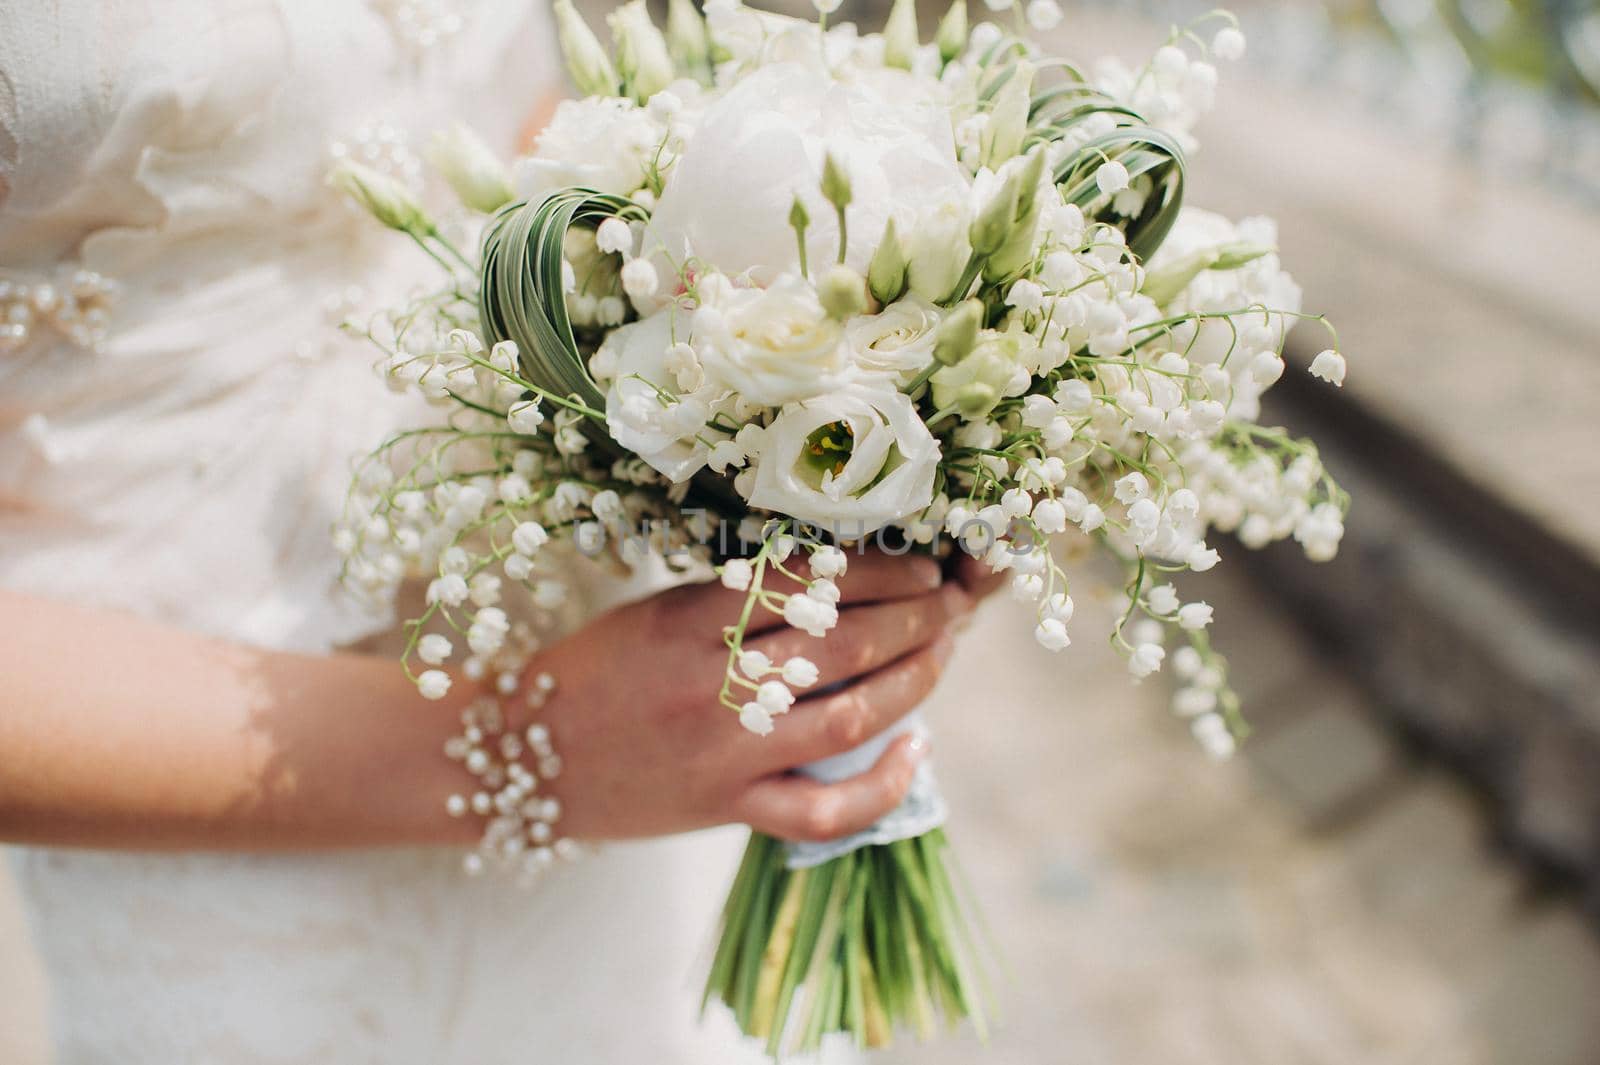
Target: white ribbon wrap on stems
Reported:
point(922, 810)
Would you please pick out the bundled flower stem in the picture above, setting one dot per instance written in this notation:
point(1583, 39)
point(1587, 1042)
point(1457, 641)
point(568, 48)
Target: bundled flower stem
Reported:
point(864, 944)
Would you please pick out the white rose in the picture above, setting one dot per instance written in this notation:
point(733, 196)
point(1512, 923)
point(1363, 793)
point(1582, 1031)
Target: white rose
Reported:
point(899, 339)
point(729, 194)
point(638, 415)
point(771, 345)
point(600, 143)
point(852, 460)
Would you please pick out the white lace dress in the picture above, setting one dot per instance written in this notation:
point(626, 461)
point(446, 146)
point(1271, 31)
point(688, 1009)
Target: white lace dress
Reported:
point(188, 470)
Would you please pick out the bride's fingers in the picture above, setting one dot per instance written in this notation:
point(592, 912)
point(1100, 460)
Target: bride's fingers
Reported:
point(801, 809)
point(869, 637)
point(829, 724)
point(872, 577)
point(978, 579)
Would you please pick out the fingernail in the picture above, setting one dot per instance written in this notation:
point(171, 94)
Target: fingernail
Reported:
point(928, 572)
point(944, 646)
point(919, 748)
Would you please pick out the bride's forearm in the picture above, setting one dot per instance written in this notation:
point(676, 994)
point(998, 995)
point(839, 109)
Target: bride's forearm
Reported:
point(117, 732)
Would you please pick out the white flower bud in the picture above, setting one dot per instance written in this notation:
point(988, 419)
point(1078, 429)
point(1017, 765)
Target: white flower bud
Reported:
point(1027, 587)
point(450, 589)
point(800, 672)
point(642, 57)
point(433, 684)
point(587, 61)
point(755, 717)
point(1228, 44)
point(1212, 732)
point(952, 34)
point(1146, 659)
point(478, 176)
point(640, 280)
point(1008, 118)
point(775, 697)
point(1050, 516)
point(737, 574)
point(828, 561)
point(434, 649)
point(1052, 634)
point(1132, 487)
point(900, 35)
point(1329, 366)
point(1111, 177)
point(1162, 600)
point(1044, 15)
point(687, 39)
point(1265, 368)
point(386, 199)
point(1060, 607)
point(754, 664)
point(842, 292)
point(613, 237)
point(528, 537)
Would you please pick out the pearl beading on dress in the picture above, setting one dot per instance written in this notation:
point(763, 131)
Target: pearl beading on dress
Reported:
point(384, 147)
point(75, 305)
point(520, 830)
point(421, 24)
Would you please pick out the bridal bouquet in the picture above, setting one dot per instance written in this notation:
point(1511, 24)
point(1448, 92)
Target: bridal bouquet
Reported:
point(775, 289)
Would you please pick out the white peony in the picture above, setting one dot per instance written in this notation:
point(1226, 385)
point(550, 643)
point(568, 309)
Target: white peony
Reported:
point(600, 143)
point(851, 461)
point(640, 412)
point(772, 345)
point(729, 194)
point(899, 339)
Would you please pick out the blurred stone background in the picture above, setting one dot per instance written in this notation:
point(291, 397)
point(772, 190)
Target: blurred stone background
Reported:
point(1401, 868)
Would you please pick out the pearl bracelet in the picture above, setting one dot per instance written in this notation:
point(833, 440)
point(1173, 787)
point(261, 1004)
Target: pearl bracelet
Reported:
point(519, 830)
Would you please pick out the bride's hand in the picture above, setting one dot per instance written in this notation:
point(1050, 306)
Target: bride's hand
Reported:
point(649, 750)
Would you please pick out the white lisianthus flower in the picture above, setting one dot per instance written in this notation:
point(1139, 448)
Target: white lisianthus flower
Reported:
point(764, 142)
point(771, 345)
point(899, 339)
point(640, 413)
point(602, 143)
point(853, 460)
